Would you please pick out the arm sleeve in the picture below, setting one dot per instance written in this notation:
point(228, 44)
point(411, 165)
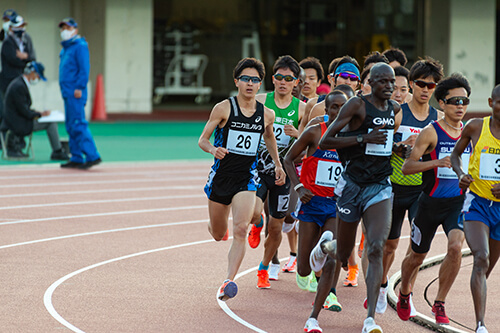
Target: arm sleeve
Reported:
point(83, 63)
point(22, 105)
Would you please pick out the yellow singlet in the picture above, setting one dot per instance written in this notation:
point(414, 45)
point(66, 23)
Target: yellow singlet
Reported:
point(484, 165)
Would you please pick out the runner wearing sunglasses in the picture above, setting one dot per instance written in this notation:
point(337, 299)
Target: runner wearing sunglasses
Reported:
point(239, 124)
point(289, 112)
point(441, 199)
point(406, 189)
point(481, 211)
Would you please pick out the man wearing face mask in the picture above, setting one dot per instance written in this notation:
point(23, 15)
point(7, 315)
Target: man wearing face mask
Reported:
point(74, 71)
point(21, 120)
point(17, 51)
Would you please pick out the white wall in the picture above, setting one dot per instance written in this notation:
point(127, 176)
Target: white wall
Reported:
point(128, 72)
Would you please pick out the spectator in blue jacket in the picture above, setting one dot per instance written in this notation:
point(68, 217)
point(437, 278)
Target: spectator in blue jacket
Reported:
point(74, 71)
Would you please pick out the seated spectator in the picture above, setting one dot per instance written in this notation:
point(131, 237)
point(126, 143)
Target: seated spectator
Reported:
point(21, 120)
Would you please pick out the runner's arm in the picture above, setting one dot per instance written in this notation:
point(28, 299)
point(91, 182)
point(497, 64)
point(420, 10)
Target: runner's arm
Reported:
point(473, 126)
point(218, 116)
point(307, 110)
point(425, 143)
point(272, 146)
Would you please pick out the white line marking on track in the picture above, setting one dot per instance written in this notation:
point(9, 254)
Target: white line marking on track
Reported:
point(104, 214)
point(47, 297)
point(172, 197)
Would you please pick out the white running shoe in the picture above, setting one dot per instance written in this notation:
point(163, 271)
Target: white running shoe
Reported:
point(287, 227)
point(274, 270)
point(481, 329)
point(413, 311)
point(312, 326)
point(291, 265)
point(297, 226)
point(369, 326)
point(382, 300)
point(317, 258)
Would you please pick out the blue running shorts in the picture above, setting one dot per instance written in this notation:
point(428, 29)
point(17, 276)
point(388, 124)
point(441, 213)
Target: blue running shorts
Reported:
point(477, 208)
point(317, 210)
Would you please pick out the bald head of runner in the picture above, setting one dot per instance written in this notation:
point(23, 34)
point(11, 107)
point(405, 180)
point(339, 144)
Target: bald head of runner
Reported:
point(382, 80)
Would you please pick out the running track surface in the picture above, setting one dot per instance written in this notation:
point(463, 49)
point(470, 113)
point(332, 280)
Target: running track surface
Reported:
point(124, 247)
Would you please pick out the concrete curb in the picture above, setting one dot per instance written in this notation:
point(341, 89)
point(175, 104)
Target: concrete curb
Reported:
point(420, 318)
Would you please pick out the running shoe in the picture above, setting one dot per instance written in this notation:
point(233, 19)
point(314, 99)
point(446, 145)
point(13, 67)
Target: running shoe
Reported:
point(313, 283)
point(413, 312)
point(404, 307)
point(312, 326)
point(287, 227)
point(381, 301)
point(274, 270)
point(302, 281)
point(254, 234)
point(226, 236)
point(291, 265)
point(481, 329)
point(228, 290)
point(317, 258)
point(369, 326)
point(439, 313)
point(332, 303)
point(263, 279)
point(361, 245)
point(297, 226)
point(352, 276)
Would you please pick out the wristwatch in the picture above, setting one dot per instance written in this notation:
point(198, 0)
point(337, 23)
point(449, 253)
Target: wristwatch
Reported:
point(359, 138)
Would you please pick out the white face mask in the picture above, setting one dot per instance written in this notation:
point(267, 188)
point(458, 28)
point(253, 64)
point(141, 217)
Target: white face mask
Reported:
point(6, 26)
point(34, 81)
point(67, 34)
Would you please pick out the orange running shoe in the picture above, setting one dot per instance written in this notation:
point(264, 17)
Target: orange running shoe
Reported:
point(352, 276)
point(226, 236)
point(254, 234)
point(263, 279)
point(361, 245)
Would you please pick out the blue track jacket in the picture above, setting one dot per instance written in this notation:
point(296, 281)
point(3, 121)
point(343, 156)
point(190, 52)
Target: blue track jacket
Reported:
point(74, 67)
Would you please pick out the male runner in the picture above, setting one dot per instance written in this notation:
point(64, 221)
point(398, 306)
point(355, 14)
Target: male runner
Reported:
point(395, 56)
point(424, 75)
point(402, 86)
point(481, 211)
point(239, 123)
point(314, 76)
point(362, 135)
point(320, 172)
point(289, 111)
point(441, 199)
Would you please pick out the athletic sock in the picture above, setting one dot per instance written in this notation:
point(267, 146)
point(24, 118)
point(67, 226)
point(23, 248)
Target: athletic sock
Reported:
point(293, 254)
point(317, 278)
point(261, 223)
point(262, 267)
point(403, 295)
point(334, 291)
point(384, 285)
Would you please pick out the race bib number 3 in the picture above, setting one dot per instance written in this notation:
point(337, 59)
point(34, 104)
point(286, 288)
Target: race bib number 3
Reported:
point(489, 167)
point(378, 149)
point(243, 143)
point(328, 173)
point(448, 173)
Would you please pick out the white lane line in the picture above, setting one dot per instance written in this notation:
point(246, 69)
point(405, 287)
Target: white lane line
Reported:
point(122, 181)
point(104, 214)
point(47, 297)
point(130, 189)
point(43, 240)
point(91, 202)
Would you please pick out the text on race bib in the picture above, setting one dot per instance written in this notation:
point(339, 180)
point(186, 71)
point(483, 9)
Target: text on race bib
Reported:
point(328, 173)
point(381, 149)
point(448, 173)
point(489, 166)
point(282, 139)
point(243, 143)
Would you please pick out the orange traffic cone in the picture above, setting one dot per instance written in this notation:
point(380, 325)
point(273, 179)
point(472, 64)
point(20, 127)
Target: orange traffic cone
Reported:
point(99, 107)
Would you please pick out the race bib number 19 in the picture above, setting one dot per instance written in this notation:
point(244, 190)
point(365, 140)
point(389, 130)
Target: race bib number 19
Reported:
point(489, 167)
point(328, 173)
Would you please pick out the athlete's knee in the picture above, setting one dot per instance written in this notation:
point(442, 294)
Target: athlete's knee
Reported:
point(455, 251)
point(415, 259)
point(274, 228)
point(375, 249)
point(391, 246)
point(240, 230)
point(217, 235)
point(481, 260)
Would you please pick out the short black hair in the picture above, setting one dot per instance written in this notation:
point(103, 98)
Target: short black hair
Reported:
point(289, 62)
point(395, 54)
point(346, 59)
point(249, 63)
point(364, 74)
point(346, 89)
point(334, 93)
point(333, 65)
point(311, 62)
point(374, 57)
point(427, 67)
point(455, 80)
point(402, 71)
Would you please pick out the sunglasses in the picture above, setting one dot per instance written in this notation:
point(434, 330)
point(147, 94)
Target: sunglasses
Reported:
point(423, 84)
point(347, 76)
point(287, 78)
point(246, 78)
point(459, 100)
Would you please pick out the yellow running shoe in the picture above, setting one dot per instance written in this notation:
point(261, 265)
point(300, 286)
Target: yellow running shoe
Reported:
point(332, 303)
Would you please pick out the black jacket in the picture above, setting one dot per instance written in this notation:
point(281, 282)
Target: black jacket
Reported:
point(17, 113)
point(12, 66)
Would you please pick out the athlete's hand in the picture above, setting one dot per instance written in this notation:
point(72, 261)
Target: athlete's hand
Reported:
point(444, 162)
point(465, 180)
point(77, 93)
point(304, 194)
point(291, 131)
point(411, 140)
point(376, 136)
point(219, 152)
point(495, 189)
point(280, 175)
point(402, 150)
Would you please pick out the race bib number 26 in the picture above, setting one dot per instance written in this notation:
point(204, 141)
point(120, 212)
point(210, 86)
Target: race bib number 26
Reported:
point(243, 143)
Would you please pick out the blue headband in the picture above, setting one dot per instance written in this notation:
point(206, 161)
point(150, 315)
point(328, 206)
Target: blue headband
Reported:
point(347, 67)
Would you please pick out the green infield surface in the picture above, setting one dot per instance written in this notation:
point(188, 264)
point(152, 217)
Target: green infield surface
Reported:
point(130, 141)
